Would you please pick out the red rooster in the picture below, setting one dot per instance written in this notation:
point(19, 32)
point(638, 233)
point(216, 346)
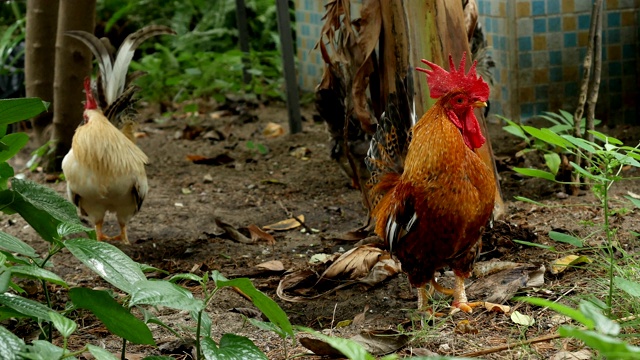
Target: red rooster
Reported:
point(104, 170)
point(431, 207)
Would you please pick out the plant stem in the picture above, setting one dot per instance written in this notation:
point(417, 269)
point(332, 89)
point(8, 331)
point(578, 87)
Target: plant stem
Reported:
point(124, 350)
point(198, 345)
point(605, 201)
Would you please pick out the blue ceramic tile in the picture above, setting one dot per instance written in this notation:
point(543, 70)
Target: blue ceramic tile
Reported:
point(542, 92)
point(555, 57)
point(311, 70)
point(524, 43)
point(554, 24)
point(629, 51)
point(524, 61)
point(503, 42)
point(571, 89)
point(487, 25)
point(537, 7)
point(539, 26)
point(570, 40)
point(540, 107)
point(553, 6)
point(305, 31)
point(487, 7)
point(613, 19)
point(584, 21)
point(613, 36)
point(308, 4)
point(555, 74)
point(615, 68)
point(526, 110)
point(494, 25)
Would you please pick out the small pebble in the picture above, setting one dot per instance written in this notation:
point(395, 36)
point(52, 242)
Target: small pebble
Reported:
point(207, 179)
point(562, 195)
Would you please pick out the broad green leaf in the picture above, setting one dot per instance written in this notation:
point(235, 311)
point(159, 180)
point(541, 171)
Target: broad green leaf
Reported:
point(65, 326)
point(232, 347)
point(108, 261)
point(115, 317)
point(588, 175)
point(266, 325)
point(551, 117)
point(100, 353)
point(164, 293)
point(630, 287)
point(9, 313)
point(535, 173)
point(560, 128)
point(269, 308)
point(605, 138)
point(43, 350)
point(40, 206)
point(150, 318)
point(608, 346)
point(5, 279)
point(569, 118)
point(6, 172)
point(349, 348)
point(603, 324)
point(148, 268)
point(559, 308)
point(205, 322)
point(13, 244)
point(547, 136)
point(565, 238)
point(35, 272)
point(626, 159)
point(10, 345)
point(552, 160)
point(66, 228)
point(13, 142)
point(26, 306)
point(192, 277)
point(582, 143)
point(14, 110)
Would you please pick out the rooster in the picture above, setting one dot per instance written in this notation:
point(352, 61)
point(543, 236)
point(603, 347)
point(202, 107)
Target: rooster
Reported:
point(105, 170)
point(431, 205)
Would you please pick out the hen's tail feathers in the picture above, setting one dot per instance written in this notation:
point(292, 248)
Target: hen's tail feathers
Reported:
point(389, 144)
point(113, 69)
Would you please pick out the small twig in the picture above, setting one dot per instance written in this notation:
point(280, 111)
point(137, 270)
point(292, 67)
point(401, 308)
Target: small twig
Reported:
point(558, 299)
point(333, 318)
point(495, 349)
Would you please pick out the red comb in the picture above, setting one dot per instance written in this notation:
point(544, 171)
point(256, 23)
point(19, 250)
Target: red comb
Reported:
point(91, 102)
point(442, 81)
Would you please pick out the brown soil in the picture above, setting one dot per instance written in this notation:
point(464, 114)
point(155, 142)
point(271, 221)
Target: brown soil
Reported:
point(176, 232)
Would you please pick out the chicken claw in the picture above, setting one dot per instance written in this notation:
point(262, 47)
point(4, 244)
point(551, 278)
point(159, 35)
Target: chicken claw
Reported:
point(123, 235)
point(99, 234)
point(460, 298)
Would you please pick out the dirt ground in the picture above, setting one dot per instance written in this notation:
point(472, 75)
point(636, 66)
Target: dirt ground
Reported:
point(176, 232)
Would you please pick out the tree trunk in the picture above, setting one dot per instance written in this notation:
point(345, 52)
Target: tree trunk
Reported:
point(437, 30)
point(42, 17)
point(72, 65)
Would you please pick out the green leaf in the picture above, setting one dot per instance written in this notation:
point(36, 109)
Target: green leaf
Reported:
point(232, 347)
point(6, 172)
point(547, 136)
point(65, 326)
point(191, 277)
point(115, 317)
point(5, 279)
point(65, 229)
point(10, 345)
point(13, 142)
point(605, 138)
point(527, 200)
point(528, 243)
point(205, 322)
point(43, 350)
point(630, 287)
point(31, 308)
point(108, 261)
point(565, 238)
point(588, 175)
point(164, 293)
point(150, 318)
point(604, 325)
point(552, 160)
point(35, 272)
point(559, 308)
point(535, 173)
point(9, 313)
point(582, 143)
point(100, 353)
point(608, 346)
point(13, 244)
point(626, 159)
point(40, 206)
point(14, 110)
point(349, 348)
point(269, 308)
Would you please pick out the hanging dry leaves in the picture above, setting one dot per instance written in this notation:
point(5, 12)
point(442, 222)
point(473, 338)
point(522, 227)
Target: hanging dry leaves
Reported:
point(284, 225)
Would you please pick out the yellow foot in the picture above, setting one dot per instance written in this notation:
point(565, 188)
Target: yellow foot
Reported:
point(464, 306)
point(103, 237)
point(122, 238)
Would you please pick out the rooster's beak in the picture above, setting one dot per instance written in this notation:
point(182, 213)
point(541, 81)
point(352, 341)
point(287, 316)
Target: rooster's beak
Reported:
point(479, 104)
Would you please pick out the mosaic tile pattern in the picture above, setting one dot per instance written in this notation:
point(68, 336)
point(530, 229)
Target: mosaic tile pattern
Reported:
point(538, 47)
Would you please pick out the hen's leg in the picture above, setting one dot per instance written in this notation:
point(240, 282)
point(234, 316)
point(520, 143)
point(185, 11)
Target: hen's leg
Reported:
point(123, 234)
point(99, 234)
point(423, 299)
point(440, 288)
point(460, 297)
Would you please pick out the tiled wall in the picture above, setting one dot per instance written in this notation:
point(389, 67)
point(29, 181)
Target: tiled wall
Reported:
point(538, 47)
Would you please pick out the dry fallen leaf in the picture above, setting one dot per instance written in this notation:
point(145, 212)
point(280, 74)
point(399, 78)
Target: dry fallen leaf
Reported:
point(522, 319)
point(273, 265)
point(503, 285)
point(504, 309)
point(300, 153)
point(285, 224)
point(381, 342)
point(584, 354)
point(232, 232)
point(319, 347)
point(272, 130)
point(465, 327)
point(355, 263)
point(562, 264)
point(258, 234)
point(221, 159)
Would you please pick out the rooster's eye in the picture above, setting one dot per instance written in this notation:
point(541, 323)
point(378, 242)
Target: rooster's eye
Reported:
point(459, 100)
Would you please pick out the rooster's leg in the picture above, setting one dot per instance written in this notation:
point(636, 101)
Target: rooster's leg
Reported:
point(99, 234)
point(423, 299)
point(123, 234)
point(440, 288)
point(460, 297)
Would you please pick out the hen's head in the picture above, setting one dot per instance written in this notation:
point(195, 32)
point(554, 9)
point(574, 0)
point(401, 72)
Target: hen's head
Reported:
point(460, 93)
point(90, 103)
